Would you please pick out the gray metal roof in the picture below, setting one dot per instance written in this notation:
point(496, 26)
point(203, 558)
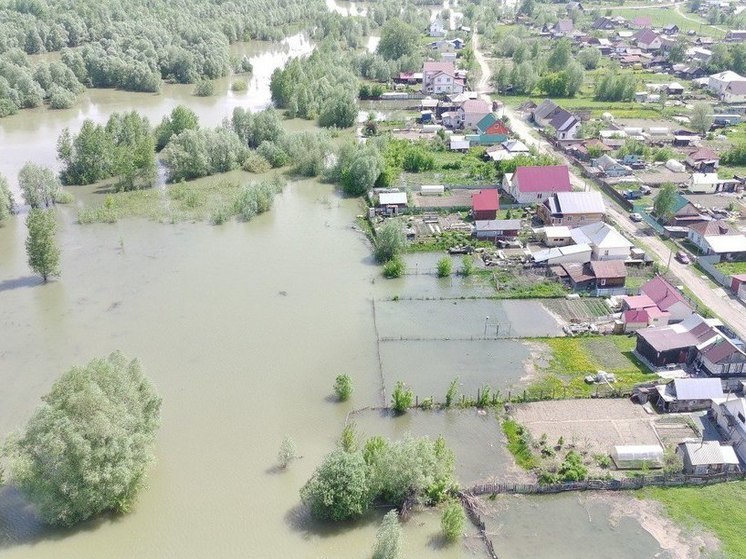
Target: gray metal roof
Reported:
point(709, 452)
point(698, 388)
point(577, 203)
point(498, 225)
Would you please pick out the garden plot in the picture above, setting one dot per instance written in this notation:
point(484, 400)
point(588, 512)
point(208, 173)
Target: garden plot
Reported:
point(463, 319)
point(428, 367)
point(578, 310)
point(476, 439)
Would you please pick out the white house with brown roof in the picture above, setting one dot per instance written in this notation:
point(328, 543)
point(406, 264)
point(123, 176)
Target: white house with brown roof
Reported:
point(472, 111)
point(722, 358)
point(698, 231)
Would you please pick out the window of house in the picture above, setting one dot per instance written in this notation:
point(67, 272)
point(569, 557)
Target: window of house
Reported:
point(603, 282)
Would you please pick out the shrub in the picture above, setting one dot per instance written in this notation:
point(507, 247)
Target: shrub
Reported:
point(452, 522)
point(416, 160)
point(239, 85)
point(339, 488)
point(390, 241)
point(348, 439)
point(572, 468)
point(343, 387)
point(394, 268)
point(467, 265)
point(452, 393)
point(204, 88)
point(402, 398)
point(287, 453)
point(388, 538)
point(445, 267)
point(255, 163)
point(273, 153)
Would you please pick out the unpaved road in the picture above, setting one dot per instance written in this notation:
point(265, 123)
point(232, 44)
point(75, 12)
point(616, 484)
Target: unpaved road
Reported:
point(727, 308)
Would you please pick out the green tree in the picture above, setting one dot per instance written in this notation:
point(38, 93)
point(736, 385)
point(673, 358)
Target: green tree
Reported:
point(589, 57)
point(348, 438)
point(41, 246)
point(402, 398)
point(398, 39)
point(39, 187)
point(394, 268)
point(7, 205)
point(452, 522)
point(339, 488)
point(339, 110)
point(560, 56)
point(677, 52)
point(389, 242)
point(452, 393)
point(343, 387)
point(445, 267)
point(181, 118)
point(575, 77)
point(204, 88)
point(287, 452)
point(467, 262)
point(702, 117)
point(389, 538)
point(86, 449)
point(665, 201)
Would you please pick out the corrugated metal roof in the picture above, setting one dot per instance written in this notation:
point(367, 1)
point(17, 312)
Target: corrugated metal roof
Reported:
point(392, 198)
point(710, 452)
point(726, 243)
point(580, 202)
point(698, 388)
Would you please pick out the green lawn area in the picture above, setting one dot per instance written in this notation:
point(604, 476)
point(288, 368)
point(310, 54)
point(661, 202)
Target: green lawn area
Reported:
point(716, 508)
point(661, 16)
point(574, 358)
point(457, 169)
point(731, 268)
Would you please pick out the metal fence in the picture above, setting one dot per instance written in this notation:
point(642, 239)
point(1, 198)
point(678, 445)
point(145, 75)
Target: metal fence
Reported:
point(708, 265)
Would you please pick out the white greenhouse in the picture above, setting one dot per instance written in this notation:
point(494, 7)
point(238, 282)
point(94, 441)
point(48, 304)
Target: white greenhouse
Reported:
point(635, 457)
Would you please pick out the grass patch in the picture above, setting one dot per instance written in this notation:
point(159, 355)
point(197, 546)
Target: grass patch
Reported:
point(665, 15)
point(574, 358)
point(716, 508)
point(731, 268)
point(511, 284)
point(519, 444)
point(446, 240)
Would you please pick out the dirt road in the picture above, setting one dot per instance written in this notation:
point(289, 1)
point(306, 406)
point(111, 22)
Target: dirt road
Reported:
point(727, 308)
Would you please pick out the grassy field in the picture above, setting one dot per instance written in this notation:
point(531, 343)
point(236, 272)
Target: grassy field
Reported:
point(518, 444)
point(716, 508)
point(574, 358)
point(731, 268)
point(661, 16)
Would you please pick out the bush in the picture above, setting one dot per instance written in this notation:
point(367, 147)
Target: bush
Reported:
point(287, 453)
point(390, 241)
point(239, 85)
point(572, 468)
point(467, 265)
point(388, 538)
point(452, 522)
point(452, 393)
point(339, 488)
point(445, 267)
point(402, 398)
point(204, 88)
point(255, 163)
point(273, 153)
point(348, 439)
point(417, 160)
point(86, 450)
point(343, 387)
point(394, 268)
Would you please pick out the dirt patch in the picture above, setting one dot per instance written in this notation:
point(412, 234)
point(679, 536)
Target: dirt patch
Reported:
point(651, 516)
point(539, 357)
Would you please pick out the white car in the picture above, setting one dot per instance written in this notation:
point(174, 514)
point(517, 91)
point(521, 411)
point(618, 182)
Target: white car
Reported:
point(635, 217)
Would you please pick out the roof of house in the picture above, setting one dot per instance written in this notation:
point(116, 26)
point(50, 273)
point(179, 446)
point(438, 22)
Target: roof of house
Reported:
point(705, 178)
point(636, 316)
point(515, 146)
point(601, 235)
point(476, 106)
point(564, 26)
point(578, 273)
point(556, 252)
point(727, 76)
point(703, 154)
point(552, 178)
point(737, 87)
point(498, 225)
point(638, 302)
point(439, 66)
point(485, 200)
point(722, 350)
point(698, 388)
point(488, 120)
point(392, 198)
point(710, 228)
point(608, 269)
point(570, 203)
point(562, 120)
point(557, 231)
point(663, 294)
point(646, 36)
point(545, 108)
point(707, 453)
point(721, 244)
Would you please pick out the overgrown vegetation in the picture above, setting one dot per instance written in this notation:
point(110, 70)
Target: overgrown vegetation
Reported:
point(519, 444)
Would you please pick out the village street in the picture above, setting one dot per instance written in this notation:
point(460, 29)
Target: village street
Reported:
point(727, 308)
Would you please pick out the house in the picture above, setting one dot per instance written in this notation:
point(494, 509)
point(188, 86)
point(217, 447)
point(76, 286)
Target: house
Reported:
point(530, 185)
point(687, 394)
point(675, 343)
point(606, 242)
point(738, 286)
point(736, 35)
point(563, 28)
point(648, 40)
point(440, 78)
point(730, 247)
point(735, 92)
point(604, 24)
point(566, 125)
point(703, 160)
point(717, 83)
point(642, 21)
point(708, 458)
point(730, 416)
point(667, 298)
point(472, 111)
point(563, 255)
point(541, 114)
point(556, 235)
point(459, 143)
point(443, 46)
point(670, 29)
point(640, 311)
point(391, 203)
point(572, 208)
point(485, 204)
point(685, 213)
point(437, 28)
point(495, 229)
point(705, 183)
point(610, 167)
point(698, 231)
point(722, 358)
point(490, 130)
point(609, 274)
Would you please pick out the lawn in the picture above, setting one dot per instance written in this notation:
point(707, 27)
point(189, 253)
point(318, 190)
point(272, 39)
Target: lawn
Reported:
point(716, 508)
point(731, 268)
point(665, 15)
point(574, 358)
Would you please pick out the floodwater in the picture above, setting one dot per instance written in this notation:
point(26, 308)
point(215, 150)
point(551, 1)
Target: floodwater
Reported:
point(21, 133)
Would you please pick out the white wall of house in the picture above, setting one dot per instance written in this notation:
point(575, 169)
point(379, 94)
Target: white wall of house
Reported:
point(610, 253)
point(736, 432)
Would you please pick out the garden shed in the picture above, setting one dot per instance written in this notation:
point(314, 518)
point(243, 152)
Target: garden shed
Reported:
point(635, 457)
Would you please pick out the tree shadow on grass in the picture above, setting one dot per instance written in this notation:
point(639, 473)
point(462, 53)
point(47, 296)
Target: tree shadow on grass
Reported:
point(16, 283)
point(20, 525)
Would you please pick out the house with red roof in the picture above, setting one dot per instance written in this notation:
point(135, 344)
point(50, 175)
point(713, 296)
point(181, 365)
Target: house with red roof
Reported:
point(485, 204)
point(703, 160)
point(533, 185)
point(640, 311)
point(667, 298)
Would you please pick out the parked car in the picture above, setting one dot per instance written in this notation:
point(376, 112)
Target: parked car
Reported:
point(683, 257)
point(632, 194)
point(635, 217)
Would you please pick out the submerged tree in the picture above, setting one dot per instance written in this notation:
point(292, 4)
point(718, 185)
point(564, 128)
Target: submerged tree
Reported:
point(86, 449)
point(39, 187)
point(6, 199)
point(388, 538)
point(41, 246)
point(287, 452)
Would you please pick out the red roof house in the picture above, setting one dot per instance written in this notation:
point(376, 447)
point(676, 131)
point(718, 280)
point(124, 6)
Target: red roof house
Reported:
point(485, 204)
point(667, 298)
point(532, 185)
